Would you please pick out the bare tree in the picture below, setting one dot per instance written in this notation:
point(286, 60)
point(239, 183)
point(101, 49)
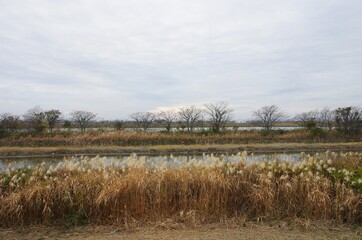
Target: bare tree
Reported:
point(168, 117)
point(268, 116)
point(322, 119)
point(219, 114)
point(35, 119)
point(82, 118)
point(8, 124)
point(190, 115)
point(349, 120)
point(326, 118)
point(143, 120)
point(307, 119)
point(52, 116)
point(35, 114)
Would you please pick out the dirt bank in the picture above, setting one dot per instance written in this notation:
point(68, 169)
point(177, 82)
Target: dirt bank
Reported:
point(280, 230)
point(177, 149)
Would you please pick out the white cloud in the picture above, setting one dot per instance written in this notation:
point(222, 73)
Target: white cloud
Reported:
point(118, 57)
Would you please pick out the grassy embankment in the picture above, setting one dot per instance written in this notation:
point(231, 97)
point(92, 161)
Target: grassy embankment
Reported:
point(177, 149)
point(118, 142)
point(129, 138)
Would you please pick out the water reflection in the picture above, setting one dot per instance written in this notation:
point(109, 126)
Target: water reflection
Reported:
point(168, 160)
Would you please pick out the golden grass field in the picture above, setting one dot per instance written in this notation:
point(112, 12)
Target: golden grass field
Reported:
point(323, 187)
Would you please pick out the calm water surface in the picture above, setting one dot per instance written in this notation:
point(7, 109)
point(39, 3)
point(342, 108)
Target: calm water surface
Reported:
point(168, 160)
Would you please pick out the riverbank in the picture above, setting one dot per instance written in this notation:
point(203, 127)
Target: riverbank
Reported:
point(6, 152)
point(127, 138)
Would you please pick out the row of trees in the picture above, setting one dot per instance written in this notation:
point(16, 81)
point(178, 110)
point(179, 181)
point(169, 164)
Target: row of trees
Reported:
point(324, 118)
point(39, 120)
point(218, 115)
point(347, 120)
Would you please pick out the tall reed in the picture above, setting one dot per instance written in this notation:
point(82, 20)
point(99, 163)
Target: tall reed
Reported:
point(90, 190)
point(128, 138)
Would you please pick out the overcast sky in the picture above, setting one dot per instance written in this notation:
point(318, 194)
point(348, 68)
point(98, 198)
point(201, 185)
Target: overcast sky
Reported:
point(119, 57)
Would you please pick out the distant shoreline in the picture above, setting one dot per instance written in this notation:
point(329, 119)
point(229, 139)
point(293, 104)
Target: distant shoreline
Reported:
point(18, 152)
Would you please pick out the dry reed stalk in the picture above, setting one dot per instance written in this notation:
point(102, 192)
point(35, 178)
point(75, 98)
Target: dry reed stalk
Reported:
point(90, 192)
point(128, 138)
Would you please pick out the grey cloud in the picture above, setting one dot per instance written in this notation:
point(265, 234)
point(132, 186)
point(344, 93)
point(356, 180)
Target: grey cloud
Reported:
point(118, 57)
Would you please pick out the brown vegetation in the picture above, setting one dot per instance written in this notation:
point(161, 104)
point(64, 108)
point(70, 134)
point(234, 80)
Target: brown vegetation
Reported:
point(127, 138)
point(87, 191)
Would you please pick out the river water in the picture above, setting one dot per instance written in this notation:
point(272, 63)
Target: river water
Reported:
point(167, 160)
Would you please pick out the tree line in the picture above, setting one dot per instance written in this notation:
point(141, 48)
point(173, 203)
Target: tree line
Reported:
point(346, 120)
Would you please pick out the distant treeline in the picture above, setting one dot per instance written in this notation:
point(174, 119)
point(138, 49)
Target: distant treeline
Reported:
point(214, 117)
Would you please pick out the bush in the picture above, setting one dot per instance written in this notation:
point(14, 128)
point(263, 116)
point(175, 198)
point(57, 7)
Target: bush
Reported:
point(317, 132)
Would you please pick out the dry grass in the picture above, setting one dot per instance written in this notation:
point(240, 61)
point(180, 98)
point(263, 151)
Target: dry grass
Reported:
point(88, 191)
point(127, 138)
point(179, 149)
